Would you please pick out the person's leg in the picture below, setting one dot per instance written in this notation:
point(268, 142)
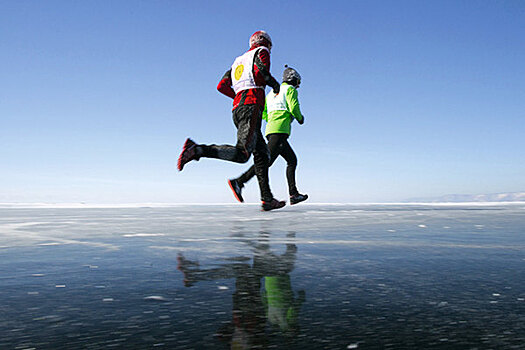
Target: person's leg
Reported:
point(275, 142)
point(289, 155)
point(261, 158)
point(237, 184)
point(247, 126)
point(240, 153)
point(291, 159)
point(193, 273)
point(273, 147)
point(262, 154)
point(246, 176)
point(247, 119)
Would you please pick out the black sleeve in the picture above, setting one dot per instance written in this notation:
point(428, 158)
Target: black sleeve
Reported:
point(227, 75)
point(268, 78)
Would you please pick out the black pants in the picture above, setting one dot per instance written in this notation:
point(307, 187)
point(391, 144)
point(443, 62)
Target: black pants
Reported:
point(247, 120)
point(278, 146)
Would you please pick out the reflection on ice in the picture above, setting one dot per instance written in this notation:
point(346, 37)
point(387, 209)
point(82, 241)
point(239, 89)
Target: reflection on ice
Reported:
point(263, 292)
point(310, 277)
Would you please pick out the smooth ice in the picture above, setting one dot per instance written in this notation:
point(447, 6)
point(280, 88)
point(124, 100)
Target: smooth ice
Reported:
point(230, 276)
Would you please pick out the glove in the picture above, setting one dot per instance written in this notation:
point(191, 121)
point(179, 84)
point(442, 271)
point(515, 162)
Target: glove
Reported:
point(276, 89)
point(302, 121)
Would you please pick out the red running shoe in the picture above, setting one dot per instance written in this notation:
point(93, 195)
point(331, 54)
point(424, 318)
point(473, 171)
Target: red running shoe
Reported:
point(236, 189)
point(189, 153)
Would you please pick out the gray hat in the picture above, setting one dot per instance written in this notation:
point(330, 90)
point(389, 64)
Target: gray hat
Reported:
point(291, 76)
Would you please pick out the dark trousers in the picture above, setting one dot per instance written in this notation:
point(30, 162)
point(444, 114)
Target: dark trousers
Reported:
point(278, 146)
point(247, 120)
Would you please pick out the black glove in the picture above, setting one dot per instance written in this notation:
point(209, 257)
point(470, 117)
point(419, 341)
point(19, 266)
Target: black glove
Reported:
point(276, 89)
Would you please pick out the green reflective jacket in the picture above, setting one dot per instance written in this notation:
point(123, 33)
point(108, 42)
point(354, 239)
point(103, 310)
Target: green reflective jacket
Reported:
point(279, 121)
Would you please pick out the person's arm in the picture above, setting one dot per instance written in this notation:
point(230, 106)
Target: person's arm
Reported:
point(262, 65)
point(292, 99)
point(225, 85)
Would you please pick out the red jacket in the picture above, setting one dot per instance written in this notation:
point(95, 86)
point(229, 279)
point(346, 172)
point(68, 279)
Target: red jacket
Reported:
point(262, 76)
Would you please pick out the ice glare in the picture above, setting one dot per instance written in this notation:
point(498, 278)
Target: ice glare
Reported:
point(155, 298)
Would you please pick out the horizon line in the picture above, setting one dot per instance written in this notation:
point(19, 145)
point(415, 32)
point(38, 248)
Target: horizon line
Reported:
point(81, 205)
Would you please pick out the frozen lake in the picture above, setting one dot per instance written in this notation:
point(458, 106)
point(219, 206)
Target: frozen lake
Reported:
point(230, 276)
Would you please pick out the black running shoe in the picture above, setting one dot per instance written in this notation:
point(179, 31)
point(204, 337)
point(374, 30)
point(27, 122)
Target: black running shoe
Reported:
point(189, 153)
point(298, 198)
point(236, 187)
point(273, 204)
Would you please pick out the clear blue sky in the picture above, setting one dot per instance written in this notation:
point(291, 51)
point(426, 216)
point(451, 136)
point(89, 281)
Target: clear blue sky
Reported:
point(402, 98)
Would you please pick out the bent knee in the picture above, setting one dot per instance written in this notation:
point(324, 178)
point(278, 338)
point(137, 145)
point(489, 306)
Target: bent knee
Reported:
point(242, 156)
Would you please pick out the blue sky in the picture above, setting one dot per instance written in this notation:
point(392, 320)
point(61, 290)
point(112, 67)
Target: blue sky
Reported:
point(402, 99)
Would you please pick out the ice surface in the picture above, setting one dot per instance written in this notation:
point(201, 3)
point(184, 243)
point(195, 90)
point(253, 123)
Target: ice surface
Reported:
point(197, 277)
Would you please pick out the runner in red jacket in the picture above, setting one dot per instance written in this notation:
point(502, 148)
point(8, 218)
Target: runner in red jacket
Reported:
point(245, 83)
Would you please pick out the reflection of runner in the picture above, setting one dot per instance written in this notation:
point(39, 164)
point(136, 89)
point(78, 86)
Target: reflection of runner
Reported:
point(247, 328)
point(245, 83)
point(248, 325)
point(280, 111)
point(282, 307)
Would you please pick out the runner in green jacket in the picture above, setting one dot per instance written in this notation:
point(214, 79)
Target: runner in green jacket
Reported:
point(279, 111)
